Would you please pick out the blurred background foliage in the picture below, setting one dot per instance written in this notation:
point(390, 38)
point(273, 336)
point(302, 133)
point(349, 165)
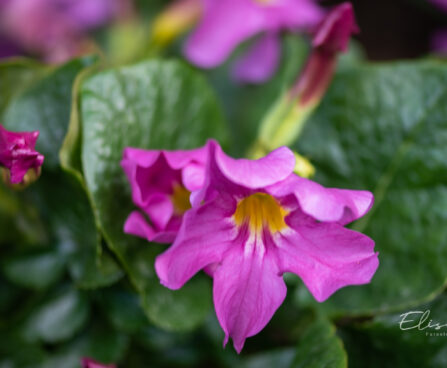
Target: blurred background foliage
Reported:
point(72, 284)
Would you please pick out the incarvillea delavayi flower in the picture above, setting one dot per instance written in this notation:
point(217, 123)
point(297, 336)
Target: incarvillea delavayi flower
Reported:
point(225, 24)
point(161, 183)
point(20, 161)
point(251, 221)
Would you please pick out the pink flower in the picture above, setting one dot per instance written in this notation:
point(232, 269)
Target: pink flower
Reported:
point(90, 363)
point(251, 222)
point(18, 155)
point(227, 23)
point(331, 38)
point(161, 183)
point(440, 3)
point(55, 28)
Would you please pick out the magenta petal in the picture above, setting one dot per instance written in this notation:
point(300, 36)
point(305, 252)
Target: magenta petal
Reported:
point(90, 363)
point(248, 289)
point(274, 167)
point(160, 210)
point(260, 61)
point(335, 31)
point(439, 42)
point(224, 25)
point(18, 154)
point(137, 225)
point(193, 176)
point(327, 257)
point(204, 236)
point(325, 204)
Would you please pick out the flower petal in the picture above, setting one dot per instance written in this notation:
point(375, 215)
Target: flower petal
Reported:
point(260, 61)
point(204, 235)
point(152, 171)
point(268, 170)
point(326, 256)
point(325, 204)
point(247, 290)
point(137, 225)
point(224, 25)
point(160, 209)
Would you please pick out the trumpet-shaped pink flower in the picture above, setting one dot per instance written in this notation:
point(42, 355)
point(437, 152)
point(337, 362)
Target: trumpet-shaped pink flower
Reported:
point(90, 363)
point(251, 222)
point(227, 23)
point(161, 183)
point(55, 28)
point(18, 155)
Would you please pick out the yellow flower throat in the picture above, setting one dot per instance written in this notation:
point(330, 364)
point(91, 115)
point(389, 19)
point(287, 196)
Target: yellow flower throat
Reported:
point(180, 199)
point(260, 210)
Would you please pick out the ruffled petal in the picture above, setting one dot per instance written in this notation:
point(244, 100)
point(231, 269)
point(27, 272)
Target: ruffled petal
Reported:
point(224, 25)
point(247, 290)
point(326, 256)
point(152, 171)
point(160, 210)
point(204, 236)
point(253, 174)
point(325, 204)
point(193, 176)
point(260, 61)
point(137, 225)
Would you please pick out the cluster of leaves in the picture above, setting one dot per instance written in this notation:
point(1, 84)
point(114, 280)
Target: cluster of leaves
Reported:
point(73, 284)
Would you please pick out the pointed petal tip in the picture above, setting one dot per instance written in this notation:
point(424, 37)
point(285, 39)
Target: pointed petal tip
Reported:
point(336, 29)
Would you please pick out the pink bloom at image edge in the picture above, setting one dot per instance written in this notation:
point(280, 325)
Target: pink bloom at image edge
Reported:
point(18, 154)
point(254, 220)
point(161, 183)
point(55, 28)
point(227, 23)
point(90, 363)
point(440, 3)
point(439, 42)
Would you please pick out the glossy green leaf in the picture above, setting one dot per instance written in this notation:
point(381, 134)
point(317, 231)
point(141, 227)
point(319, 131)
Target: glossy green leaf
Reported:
point(64, 204)
point(278, 359)
point(45, 106)
point(99, 342)
point(320, 347)
point(35, 270)
point(149, 105)
point(57, 318)
point(15, 76)
point(123, 309)
point(384, 128)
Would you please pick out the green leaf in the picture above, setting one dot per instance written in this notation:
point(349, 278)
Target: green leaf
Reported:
point(384, 128)
point(123, 309)
point(148, 105)
point(320, 347)
point(64, 203)
point(99, 342)
point(383, 343)
point(182, 309)
point(57, 318)
point(277, 358)
point(15, 76)
point(45, 106)
point(36, 271)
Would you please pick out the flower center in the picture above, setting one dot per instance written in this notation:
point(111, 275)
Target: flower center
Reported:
point(180, 199)
point(260, 210)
